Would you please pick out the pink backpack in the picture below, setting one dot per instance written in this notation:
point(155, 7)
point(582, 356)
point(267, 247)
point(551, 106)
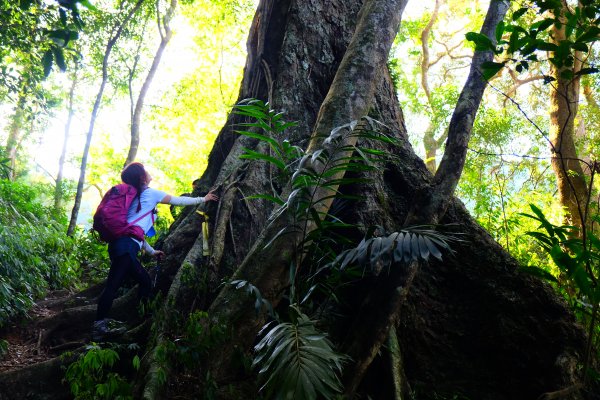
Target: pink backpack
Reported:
point(110, 219)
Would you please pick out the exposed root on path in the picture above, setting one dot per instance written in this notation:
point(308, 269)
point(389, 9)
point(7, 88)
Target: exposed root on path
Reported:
point(57, 330)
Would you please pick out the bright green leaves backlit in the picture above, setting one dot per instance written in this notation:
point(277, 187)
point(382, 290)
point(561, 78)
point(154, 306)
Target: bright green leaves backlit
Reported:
point(532, 32)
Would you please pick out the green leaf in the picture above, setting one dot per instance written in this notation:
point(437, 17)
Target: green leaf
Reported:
point(47, 60)
point(87, 5)
point(519, 13)
point(60, 59)
point(543, 24)
point(500, 30)
point(587, 71)
point(482, 42)
point(295, 360)
point(491, 68)
point(589, 12)
point(254, 155)
point(136, 362)
point(590, 35)
point(545, 46)
point(580, 47)
point(272, 142)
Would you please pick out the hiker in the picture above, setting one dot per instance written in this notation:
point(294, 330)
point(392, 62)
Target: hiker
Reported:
point(174, 211)
point(123, 250)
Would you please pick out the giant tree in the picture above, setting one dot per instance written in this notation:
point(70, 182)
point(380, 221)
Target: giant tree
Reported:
point(275, 72)
point(470, 324)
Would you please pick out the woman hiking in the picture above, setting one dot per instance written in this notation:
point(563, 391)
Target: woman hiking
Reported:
point(123, 250)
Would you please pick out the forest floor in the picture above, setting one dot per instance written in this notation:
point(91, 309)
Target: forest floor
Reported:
point(24, 337)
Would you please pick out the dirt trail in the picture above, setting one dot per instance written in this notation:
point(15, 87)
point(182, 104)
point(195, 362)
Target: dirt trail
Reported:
point(25, 337)
point(55, 332)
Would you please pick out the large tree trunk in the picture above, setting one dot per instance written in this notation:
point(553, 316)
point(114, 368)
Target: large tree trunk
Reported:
point(294, 53)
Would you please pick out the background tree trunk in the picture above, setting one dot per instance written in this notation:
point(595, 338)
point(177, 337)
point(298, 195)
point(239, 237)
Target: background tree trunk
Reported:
point(117, 31)
point(15, 129)
point(58, 190)
point(166, 33)
point(564, 104)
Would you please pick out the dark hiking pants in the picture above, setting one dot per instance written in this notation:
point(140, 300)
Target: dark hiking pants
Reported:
point(123, 264)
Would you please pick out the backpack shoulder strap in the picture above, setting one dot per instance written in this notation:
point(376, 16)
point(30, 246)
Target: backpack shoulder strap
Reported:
point(140, 217)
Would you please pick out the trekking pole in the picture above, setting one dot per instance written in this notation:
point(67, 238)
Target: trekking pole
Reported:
point(156, 273)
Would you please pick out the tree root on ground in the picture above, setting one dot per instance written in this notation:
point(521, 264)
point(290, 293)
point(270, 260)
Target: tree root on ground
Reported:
point(74, 323)
point(37, 347)
point(41, 381)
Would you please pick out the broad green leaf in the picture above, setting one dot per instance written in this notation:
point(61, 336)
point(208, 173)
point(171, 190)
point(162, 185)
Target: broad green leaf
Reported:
point(87, 5)
point(587, 71)
point(47, 60)
point(490, 69)
point(482, 42)
point(590, 35)
point(546, 46)
point(60, 59)
point(519, 13)
point(260, 137)
point(255, 155)
point(500, 30)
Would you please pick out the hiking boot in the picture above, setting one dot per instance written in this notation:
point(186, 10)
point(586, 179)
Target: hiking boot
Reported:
point(106, 328)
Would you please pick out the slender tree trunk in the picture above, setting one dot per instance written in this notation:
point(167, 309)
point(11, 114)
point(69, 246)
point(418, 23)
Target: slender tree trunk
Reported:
point(58, 190)
point(15, 132)
point(166, 33)
point(429, 141)
point(564, 103)
point(118, 30)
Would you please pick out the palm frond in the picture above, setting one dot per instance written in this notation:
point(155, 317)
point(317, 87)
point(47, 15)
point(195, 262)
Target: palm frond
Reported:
point(297, 361)
point(410, 244)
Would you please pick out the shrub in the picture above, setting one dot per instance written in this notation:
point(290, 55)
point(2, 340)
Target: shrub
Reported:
point(35, 253)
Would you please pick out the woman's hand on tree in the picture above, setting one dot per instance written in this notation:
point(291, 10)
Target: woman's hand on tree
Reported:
point(211, 196)
point(159, 254)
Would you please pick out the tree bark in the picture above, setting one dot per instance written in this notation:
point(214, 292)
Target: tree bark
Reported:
point(294, 53)
point(116, 34)
point(564, 103)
